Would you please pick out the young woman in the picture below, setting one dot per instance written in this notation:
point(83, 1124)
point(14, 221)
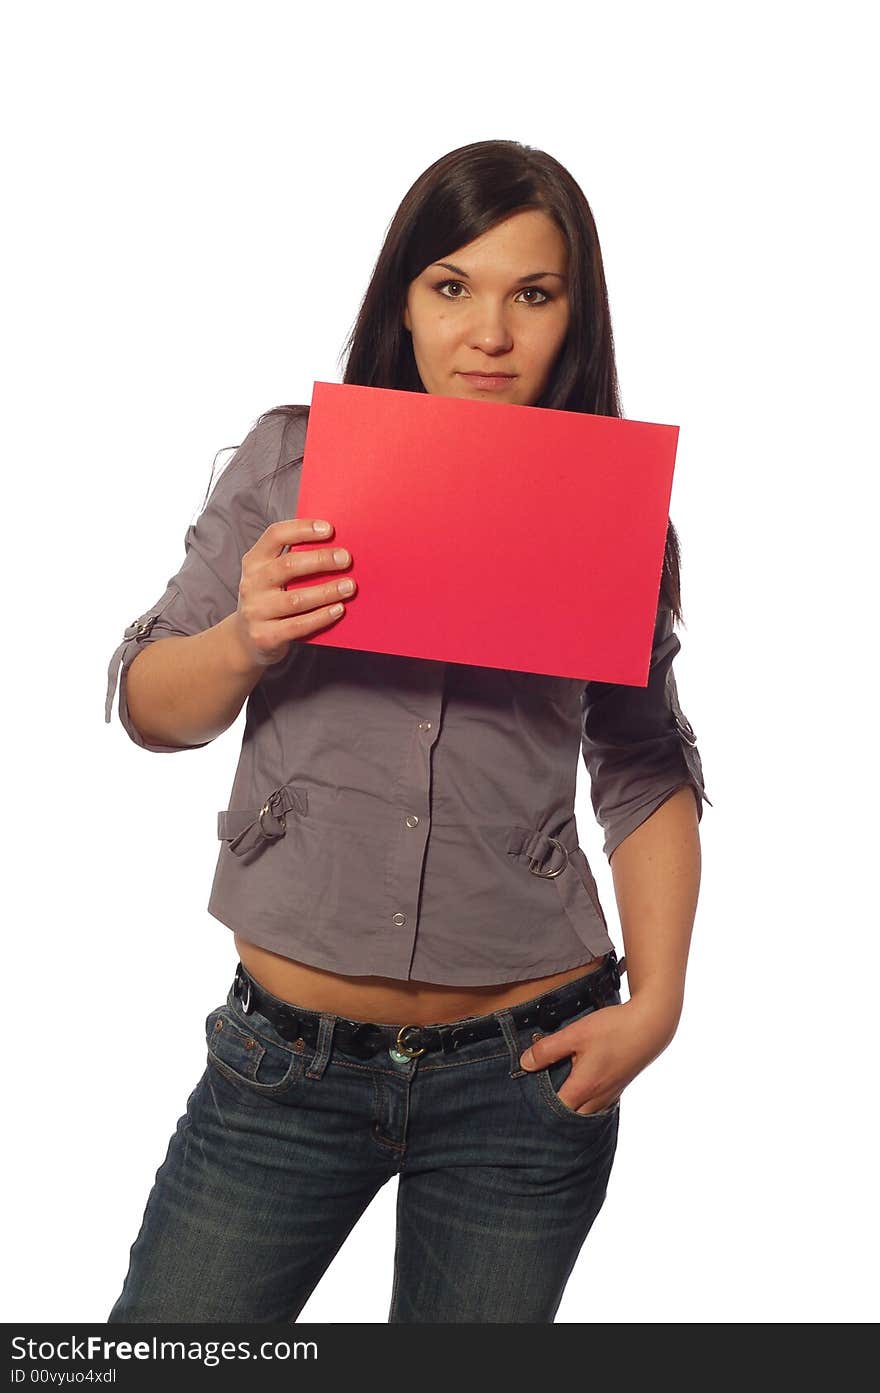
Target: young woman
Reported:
point(423, 959)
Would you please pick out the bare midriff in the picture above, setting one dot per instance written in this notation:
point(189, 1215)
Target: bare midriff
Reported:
point(385, 1000)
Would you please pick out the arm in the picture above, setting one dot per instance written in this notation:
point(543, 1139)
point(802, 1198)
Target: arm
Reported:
point(193, 685)
point(656, 872)
point(647, 791)
point(638, 745)
point(184, 692)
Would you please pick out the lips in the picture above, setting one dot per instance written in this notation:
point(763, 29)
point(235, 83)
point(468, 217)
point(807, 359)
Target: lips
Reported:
point(489, 381)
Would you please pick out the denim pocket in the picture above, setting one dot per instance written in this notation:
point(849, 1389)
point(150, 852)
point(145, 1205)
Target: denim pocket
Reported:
point(260, 1065)
point(551, 1078)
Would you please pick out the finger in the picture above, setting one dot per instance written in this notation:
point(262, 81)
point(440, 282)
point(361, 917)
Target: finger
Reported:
point(546, 1049)
point(287, 532)
point(295, 564)
point(580, 1096)
point(595, 1106)
point(303, 598)
point(286, 628)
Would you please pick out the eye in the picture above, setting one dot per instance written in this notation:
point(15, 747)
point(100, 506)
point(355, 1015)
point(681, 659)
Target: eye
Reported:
point(529, 289)
point(440, 287)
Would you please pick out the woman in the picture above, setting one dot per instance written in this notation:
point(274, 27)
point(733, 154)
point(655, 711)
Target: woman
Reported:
point(424, 961)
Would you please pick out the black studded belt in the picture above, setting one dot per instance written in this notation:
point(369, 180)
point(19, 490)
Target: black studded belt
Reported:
point(363, 1039)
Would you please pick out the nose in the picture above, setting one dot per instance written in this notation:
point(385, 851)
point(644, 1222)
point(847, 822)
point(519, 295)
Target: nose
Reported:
point(489, 331)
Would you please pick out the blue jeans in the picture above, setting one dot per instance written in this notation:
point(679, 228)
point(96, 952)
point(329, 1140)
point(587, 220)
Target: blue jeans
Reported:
point(281, 1149)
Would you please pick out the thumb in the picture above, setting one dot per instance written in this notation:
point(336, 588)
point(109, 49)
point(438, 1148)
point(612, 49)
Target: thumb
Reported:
point(539, 1053)
point(546, 1049)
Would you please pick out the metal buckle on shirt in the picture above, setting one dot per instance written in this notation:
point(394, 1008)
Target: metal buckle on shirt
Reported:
point(274, 800)
point(548, 875)
point(684, 728)
point(139, 628)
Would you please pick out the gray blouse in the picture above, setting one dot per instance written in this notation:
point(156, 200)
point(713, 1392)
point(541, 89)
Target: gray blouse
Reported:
point(404, 816)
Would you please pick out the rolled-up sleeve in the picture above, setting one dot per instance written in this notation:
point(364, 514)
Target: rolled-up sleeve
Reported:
point(205, 589)
point(638, 745)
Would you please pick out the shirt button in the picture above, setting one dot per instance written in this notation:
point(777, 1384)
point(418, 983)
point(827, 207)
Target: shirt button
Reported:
point(398, 918)
point(411, 820)
point(424, 725)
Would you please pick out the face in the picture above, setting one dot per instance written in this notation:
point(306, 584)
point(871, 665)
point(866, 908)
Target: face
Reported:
point(496, 306)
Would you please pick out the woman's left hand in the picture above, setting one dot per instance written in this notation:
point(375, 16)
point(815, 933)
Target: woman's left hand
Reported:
point(609, 1047)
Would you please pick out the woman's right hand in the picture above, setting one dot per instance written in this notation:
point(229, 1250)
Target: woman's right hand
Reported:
point(269, 617)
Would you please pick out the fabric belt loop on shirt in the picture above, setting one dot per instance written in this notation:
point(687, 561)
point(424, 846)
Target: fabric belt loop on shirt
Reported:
point(557, 867)
point(536, 845)
point(245, 829)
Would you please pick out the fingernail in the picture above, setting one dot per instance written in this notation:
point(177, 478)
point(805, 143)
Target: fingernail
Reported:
point(526, 1059)
point(320, 526)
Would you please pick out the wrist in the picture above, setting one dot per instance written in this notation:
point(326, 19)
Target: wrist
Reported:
point(239, 658)
point(659, 1009)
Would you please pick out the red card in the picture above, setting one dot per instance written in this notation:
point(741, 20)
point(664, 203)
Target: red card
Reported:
point(487, 533)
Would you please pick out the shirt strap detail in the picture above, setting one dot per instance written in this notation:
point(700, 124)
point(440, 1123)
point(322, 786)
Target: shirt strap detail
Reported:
point(246, 829)
point(580, 900)
point(547, 856)
point(135, 631)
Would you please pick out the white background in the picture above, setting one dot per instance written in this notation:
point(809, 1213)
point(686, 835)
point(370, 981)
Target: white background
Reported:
point(195, 198)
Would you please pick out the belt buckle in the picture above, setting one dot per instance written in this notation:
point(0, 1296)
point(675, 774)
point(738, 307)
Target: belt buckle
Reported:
point(400, 1050)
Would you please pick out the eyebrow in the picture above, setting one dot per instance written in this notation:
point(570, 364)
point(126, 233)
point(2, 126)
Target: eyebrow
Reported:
point(533, 275)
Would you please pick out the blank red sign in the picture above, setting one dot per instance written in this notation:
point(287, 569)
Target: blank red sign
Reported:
point(487, 533)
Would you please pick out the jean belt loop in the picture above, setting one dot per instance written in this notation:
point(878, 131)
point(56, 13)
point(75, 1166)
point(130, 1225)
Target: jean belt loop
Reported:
point(326, 1025)
point(508, 1030)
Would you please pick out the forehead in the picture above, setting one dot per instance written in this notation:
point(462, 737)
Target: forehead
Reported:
point(519, 238)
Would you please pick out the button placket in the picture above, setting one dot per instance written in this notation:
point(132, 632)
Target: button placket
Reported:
point(412, 844)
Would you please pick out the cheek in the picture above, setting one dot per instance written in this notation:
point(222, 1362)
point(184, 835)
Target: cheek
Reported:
point(544, 343)
point(437, 333)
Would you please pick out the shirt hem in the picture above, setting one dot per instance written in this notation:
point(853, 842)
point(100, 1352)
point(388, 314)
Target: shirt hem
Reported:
point(275, 943)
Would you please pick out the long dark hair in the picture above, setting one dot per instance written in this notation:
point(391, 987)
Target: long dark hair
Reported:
point(455, 200)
